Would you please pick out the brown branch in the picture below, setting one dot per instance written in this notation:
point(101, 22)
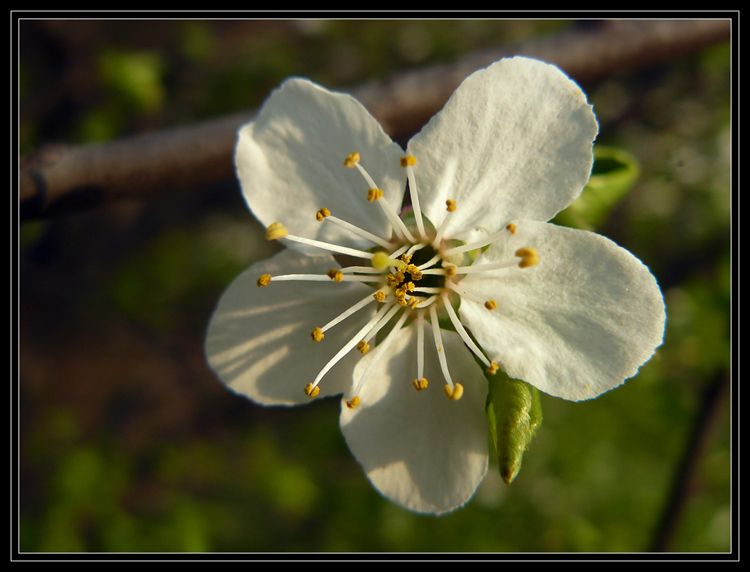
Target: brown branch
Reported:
point(58, 179)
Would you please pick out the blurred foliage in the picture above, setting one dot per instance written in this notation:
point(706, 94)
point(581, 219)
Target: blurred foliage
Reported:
point(130, 444)
point(613, 175)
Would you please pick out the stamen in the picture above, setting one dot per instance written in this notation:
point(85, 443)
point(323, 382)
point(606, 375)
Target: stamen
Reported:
point(335, 274)
point(353, 403)
point(512, 228)
point(429, 263)
point(415, 248)
point(344, 315)
point(426, 303)
point(364, 173)
point(363, 347)
point(454, 392)
point(429, 290)
point(361, 270)
point(439, 346)
point(450, 207)
point(399, 251)
point(420, 383)
point(490, 304)
point(395, 220)
point(264, 280)
point(277, 231)
point(486, 267)
point(409, 161)
point(461, 331)
point(435, 271)
point(446, 182)
point(349, 345)
point(317, 334)
point(529, 257)
point(351, 160)
point(385, 344)
point(384, 319)
point(312, 390)
point(390, 212)
point(321, 278)
point(450, 269)
point(477, 244)
point(321, 214)
point(463, 293)
point(356, 230)
point(374, 195)
point(416, 273)
point(420, 347)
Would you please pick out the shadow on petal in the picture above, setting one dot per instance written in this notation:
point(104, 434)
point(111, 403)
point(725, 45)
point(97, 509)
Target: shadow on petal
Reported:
point(419, 448)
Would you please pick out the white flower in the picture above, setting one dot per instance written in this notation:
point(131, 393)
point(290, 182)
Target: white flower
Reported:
point(472, 274)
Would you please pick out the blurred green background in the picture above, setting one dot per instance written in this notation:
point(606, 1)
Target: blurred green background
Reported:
point(129, 443)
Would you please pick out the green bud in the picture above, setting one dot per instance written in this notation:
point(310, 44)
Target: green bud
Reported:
point(514, 413)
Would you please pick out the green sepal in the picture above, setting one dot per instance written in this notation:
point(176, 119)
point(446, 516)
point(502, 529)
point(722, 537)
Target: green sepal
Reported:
point(514, 414)
point(615, 172)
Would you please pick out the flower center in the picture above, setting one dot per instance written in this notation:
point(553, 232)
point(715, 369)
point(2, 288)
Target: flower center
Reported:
point(415, 274)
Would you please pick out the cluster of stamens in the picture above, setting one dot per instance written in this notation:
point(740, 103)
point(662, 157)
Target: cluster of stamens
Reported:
point(413, 275)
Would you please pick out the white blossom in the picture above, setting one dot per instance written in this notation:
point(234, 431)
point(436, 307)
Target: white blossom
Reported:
point(385, 305)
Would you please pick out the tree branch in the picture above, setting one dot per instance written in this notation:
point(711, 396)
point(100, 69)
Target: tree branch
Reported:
point(59, 179)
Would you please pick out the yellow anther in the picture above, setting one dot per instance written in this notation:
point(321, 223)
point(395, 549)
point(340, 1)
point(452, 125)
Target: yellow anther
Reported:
point(311, 391)
point(413, 301)
point(335, 274)
point(490, 304)
point(394, 279)
point(276, 231)
point(493, 368)
point(450, 205)
point(450, 270)
point(374, 195)
point(317, 335)
point(454, 392)
point(512, 228)
point(409, 160)
point(416, 274)
point(321, 214)
point(351, 160)
point(420, 384)
point(379, 296)
point(264, 280)
point(353, 403)
point(529, 256)
point(363, 347)
point(405, 258)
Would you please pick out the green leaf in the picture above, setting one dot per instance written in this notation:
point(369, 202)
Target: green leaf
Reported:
point(614, 174)
point(514, 414)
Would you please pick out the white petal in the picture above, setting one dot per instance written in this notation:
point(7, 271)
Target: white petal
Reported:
point(419, 448)
point(577, 324)
point(258, 341)
point(290, 162)
point(522, 134)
